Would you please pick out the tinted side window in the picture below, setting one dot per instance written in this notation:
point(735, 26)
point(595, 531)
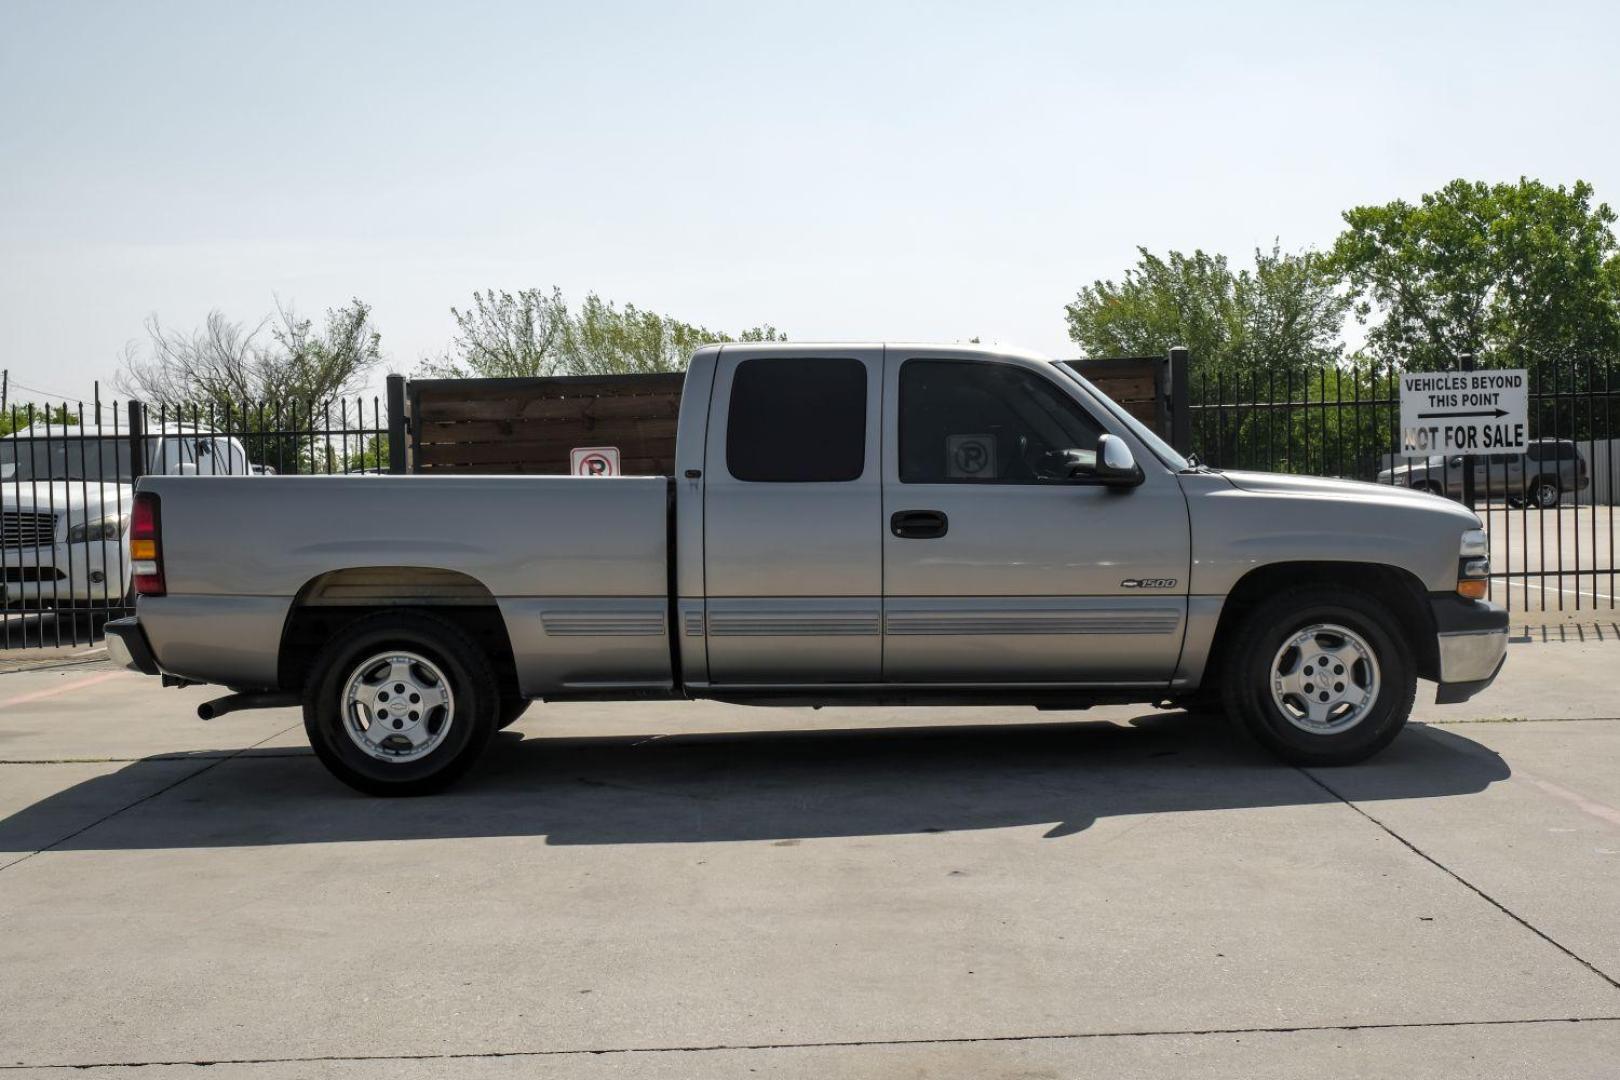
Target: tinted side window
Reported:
point(967, 422)
point(797, 420)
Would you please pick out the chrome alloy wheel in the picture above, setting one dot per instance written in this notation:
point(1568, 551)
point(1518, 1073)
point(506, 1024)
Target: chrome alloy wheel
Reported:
point(397, 706)
point(1324, 679)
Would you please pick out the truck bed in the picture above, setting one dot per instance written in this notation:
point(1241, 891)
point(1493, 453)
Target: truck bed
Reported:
point(579, 564)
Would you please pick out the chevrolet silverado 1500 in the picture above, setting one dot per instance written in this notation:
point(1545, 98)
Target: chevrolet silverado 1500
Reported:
point(846, 524)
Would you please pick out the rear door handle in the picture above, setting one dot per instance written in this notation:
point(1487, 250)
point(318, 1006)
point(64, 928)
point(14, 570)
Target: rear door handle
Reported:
point(919, 524)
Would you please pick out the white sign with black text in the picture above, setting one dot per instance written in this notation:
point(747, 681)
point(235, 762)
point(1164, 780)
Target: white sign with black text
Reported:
point(594, 461)
point(1464, 412)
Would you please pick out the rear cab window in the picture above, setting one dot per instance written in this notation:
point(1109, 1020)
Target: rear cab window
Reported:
point(797, 420)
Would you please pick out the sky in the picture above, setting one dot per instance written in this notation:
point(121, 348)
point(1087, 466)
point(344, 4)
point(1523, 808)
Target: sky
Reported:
point(862, 171)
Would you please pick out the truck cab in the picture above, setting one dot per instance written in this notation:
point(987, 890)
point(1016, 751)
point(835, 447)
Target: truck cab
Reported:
point(923, 518)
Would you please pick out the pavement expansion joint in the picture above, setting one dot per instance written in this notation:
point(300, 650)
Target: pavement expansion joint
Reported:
point(148, 797)
point(831, 1044)
point(1465, 883)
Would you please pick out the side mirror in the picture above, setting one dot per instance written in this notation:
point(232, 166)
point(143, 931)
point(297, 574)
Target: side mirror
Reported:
point(1116, 466)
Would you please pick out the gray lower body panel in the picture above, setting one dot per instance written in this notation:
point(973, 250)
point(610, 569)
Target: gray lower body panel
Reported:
point(586, 643)
point(231, 640)
point(1203, 617)
point(1003, 639)
point(793, 639)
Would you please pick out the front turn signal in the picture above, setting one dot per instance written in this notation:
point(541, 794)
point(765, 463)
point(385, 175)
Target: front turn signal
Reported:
point(1472, 588)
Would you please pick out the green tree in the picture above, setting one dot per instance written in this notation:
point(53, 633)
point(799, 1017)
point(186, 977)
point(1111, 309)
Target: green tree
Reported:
point(1270, 330)
point(535, 333)
point(370, 455)
point(18, 418)
point(1520, 274)
point(1282, 317)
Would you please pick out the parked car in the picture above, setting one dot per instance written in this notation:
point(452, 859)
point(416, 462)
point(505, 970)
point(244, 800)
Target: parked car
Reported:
point(65, 497)
point(1539, 476)
point(846, 524)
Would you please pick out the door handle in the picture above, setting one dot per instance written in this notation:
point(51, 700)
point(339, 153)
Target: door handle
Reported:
point(919, 524)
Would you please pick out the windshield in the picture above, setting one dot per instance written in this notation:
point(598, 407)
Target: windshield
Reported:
point(98, 460)
point(1160, 448)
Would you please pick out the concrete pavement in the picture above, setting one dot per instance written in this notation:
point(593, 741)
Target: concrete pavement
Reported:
point(700, 890)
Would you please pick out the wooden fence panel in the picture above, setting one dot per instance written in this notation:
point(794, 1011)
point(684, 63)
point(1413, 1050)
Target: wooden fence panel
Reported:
point(1139, 383)
point(531, 425)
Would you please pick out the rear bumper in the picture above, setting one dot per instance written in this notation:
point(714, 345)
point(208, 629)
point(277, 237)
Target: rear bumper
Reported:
point(128, 647)
point(1471, 636)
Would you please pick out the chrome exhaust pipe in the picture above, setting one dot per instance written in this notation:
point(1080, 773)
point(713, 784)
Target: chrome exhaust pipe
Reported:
point(230, 703)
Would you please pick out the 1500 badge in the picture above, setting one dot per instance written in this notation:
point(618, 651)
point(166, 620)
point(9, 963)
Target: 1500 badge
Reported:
point(1148, 583)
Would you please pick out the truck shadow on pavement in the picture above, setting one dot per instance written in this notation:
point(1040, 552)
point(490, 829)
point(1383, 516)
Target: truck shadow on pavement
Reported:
point(774, 785)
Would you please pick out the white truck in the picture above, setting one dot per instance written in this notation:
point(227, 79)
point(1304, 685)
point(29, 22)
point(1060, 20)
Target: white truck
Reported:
point(65, 498)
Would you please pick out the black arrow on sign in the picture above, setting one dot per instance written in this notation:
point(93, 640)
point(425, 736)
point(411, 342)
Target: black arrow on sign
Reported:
point(1449, 415)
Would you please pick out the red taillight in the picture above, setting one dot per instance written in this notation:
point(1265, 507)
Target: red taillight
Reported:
point(146, 545)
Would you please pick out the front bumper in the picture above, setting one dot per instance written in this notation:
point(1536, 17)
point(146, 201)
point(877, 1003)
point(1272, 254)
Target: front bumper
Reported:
point(1471, 636)
point(128, 648)
point(87, 572)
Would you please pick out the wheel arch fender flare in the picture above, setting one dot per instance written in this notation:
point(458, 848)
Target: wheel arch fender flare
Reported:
point(1396, 587)
point(330, 601)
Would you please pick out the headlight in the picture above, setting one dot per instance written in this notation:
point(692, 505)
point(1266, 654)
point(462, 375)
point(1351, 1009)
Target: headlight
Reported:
point(105, 529)
point(1475, 542)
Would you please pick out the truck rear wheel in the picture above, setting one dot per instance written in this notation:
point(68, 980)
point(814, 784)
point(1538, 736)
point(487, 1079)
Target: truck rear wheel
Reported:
point(402, 706)
point(1320, 676)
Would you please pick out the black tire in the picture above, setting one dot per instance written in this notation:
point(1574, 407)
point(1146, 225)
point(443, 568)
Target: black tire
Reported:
point(1207, 700)
point(1264, 632)
point(471, 682)
point(511, 710)
point(1545, 493)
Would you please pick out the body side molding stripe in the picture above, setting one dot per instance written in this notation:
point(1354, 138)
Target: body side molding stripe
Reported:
point(975, 623)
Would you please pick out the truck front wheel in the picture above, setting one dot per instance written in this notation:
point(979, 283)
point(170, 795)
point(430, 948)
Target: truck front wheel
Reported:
point(1320, 676)
point(402, 706)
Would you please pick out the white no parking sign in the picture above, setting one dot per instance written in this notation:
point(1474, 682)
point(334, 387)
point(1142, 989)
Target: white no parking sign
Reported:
point(594, 461)
point(1463, 412)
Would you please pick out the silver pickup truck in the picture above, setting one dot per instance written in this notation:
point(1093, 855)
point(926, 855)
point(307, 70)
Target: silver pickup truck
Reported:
point(847, 524)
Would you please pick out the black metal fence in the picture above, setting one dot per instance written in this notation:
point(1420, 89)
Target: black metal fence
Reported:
point(1550, 511)
point(67, 476)
point(68, 469)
